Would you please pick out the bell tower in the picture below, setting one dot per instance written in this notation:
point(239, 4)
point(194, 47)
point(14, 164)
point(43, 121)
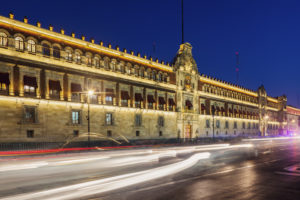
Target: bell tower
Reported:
point(187, 84)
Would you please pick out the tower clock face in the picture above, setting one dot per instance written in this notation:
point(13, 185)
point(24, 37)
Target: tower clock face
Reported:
point(188, 66)
point(187, 82)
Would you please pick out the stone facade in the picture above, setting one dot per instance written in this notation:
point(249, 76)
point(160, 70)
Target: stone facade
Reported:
point(45, 78)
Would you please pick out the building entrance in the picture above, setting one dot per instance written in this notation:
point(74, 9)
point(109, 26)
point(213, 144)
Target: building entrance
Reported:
point(188, 131)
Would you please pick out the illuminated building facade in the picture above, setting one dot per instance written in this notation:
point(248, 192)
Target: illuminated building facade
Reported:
point(45, 76)
point(293, 120)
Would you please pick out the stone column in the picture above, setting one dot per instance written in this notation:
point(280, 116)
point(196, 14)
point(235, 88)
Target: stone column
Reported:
point(11, 85)
point(61, 94)
point(166, 106)
point(114, 101)
point(131, 101)
point(69, 90)
point(21, 84)
point(118, 94)
point(81, 95)
point(38, 81)
point(47, 87)
point(155, 107)
point(120, 98)
point(144, 98)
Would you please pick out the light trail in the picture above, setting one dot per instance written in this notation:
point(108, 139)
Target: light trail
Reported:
point(22, 166)
point(112, 183)
point(117, 159)
point(270, 139)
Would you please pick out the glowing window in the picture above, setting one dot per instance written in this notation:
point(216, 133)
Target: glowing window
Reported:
point(19, 43)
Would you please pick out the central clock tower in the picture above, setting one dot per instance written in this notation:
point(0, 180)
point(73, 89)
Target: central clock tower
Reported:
point(187, 98)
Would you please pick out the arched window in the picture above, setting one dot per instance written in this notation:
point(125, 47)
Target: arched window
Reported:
point(31, 46)
point(165, 78)
point(68, 55)
point(96, 62)
point(160, 77)
point(78, 58)
point(128, 69)
point(122, 68)
point(136, 71)
point(56, 52)
point(106, 63)
point(19, 43)
point(3, 39)
point(113, 65)
point(89, 60)
point(46, 50)
point(154, 75)
point(141, 72)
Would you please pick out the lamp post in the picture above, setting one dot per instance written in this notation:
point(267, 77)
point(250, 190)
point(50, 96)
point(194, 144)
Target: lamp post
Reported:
point(213, 110)
point(90, 93)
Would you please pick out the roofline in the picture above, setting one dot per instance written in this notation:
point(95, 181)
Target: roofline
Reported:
point(12, 23)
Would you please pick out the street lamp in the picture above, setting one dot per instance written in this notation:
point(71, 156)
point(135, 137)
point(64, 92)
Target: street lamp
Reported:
point(90, 93)
point(265, 122)
point(213, 110)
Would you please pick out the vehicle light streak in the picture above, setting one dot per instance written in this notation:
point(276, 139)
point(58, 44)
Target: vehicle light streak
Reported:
point(270, 139)
point(22, 166)
point(79, 160)
point(113, 183)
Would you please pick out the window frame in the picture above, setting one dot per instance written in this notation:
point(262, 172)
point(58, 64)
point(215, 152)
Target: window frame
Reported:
point(34, 118)
point(138, 120)
point(77, 121)
point(109, 122)
point(161, 121)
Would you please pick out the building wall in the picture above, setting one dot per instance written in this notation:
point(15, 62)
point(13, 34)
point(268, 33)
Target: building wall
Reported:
point(54, 121)
point(181, 96)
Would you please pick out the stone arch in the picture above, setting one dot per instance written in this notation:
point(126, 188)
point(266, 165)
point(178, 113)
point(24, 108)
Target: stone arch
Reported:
point(5, 31)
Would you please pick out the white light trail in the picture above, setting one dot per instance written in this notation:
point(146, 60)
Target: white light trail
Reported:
point(270, 139)
point(22, 166)
point(112, 183)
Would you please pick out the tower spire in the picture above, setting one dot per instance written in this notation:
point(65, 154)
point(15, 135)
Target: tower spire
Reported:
point(237, 66)
point(182, 24)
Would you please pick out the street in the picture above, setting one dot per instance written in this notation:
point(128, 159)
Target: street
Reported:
point(253, 169)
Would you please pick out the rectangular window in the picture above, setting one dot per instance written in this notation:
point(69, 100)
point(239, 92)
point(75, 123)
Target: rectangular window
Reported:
point(161, 121)
point(226, 124)
point(249, 125)
point(137, 133)
point(30, 114)
point(235, 125)
point(3, 86)
point(109, 133)
point(244, 125)
point(160, 133)
point(75, 133)
point(109, 96)
point(207, 123)
point(30, 85)
point(138, 120)
point(76, 117)
point(218, 124)
point(30, 133)
point(108, 119)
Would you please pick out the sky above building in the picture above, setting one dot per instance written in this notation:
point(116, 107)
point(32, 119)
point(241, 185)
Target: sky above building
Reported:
point(265, 33)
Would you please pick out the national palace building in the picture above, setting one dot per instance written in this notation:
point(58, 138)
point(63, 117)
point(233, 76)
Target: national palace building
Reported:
point(45, 77)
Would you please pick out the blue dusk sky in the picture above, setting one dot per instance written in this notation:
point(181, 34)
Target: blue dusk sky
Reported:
point(266, 33)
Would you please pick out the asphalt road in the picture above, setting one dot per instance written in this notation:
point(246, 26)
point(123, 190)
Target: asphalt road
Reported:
point(266, 170)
